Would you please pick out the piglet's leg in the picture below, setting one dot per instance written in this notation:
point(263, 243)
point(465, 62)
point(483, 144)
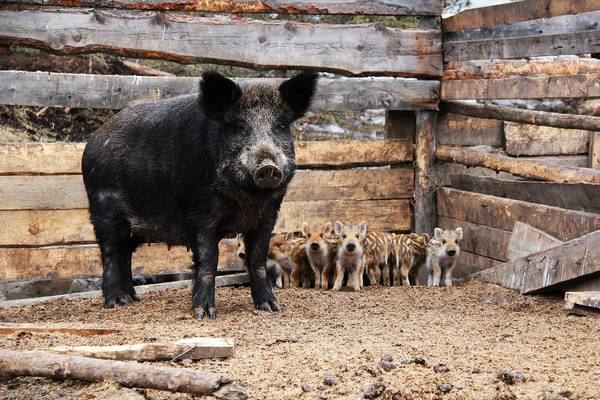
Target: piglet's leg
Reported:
point(206, 256)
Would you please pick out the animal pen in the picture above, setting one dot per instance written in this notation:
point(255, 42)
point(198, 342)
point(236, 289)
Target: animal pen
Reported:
point(523, 184)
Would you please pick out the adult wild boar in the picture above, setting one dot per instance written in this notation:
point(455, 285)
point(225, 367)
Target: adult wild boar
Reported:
point(188, 170)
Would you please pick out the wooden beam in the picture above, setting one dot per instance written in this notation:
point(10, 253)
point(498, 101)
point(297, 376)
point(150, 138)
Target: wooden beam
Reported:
point(345, 7)
point(119, 91)
point(479, 239)
point(578, 197)
point(525, 168)
point(221, 280)
point(533, 117)
point(587, 300)
point(501, 213)
point(9, 329)
point(195, 348)
point(65, 158)
point(359, 49)
point(128, 374)
point(505, 275)
point(425, 220)
point(510, 13)
point(523, 87)
point(83, 261)
point(64, 192)
point(526, 139)
point(458, 130)
point(526, 240)
point(594, 152)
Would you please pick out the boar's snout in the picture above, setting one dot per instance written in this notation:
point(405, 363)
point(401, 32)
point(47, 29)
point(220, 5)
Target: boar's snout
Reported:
point(268, 175)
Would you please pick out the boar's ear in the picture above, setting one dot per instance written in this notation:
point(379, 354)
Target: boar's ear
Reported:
point(338, 227)
point(459, 233)
point(298, 92)
point(289, 236)
point(217, 93)
point(437, 233)
point(363, 229)
point(327, 228)
point(305, 229)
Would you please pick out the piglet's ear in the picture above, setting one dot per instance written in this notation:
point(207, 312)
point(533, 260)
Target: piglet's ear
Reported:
point(338, 227)
point(217, 93)
point(298, 92)
point(363, 229)
point(459, 233)
point(437, 233)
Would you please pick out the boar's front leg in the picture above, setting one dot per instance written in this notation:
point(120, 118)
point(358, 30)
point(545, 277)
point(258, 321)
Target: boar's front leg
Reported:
point(205, 248)
point(257, 247)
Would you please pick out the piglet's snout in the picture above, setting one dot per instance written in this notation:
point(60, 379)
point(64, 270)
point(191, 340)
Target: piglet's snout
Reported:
point(268, 175)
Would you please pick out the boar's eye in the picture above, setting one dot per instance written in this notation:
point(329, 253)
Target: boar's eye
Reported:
point(357, 236)
point(320, 235)
point(344, 236)
point(444, 241)
point(308, 235)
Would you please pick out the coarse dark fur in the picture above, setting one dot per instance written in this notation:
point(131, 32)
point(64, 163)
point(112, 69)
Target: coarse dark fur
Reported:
point(186, 171)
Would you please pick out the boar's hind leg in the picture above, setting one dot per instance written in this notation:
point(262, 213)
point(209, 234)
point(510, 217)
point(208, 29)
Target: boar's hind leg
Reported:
point(114, 238)
point(257, 244)
point(206, 258)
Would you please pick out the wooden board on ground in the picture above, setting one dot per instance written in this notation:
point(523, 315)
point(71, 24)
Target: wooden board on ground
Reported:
point(221, 280)
point(350, 49)
point(501, 213)
point(505, 275)
point(9, 329)
point(377, 7)
point(526, 240)
point(66, 192)
point(578, 197)
point(458, 130)
point(196, 348)
point(41, 158)
point(525, 139)
point(583, 302)
point(120, 91)
point(479, 239)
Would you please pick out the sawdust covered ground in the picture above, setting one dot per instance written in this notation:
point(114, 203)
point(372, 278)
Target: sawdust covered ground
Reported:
point(476, 330)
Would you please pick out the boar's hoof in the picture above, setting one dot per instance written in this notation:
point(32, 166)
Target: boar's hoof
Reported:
point(122, 299)
point(268, 175)
point(270, 307)
point(199, 313)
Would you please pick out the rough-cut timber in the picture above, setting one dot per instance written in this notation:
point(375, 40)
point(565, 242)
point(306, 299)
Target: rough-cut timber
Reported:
point(498, 69)
point(362, 7)
point(458, 130)
point(479, 239)
point(65, 158)
point(535, 140)
point(349, 49)
point(510, 13)
point(119, 91)
point(469, 263)
point(505, 275)
point(587, 300)
point(503, 213)
point(578, 197)
point(195, 348)
point(533, 117)
point(548, 269)
point(523, 87)
point(525, 168)
point(221, 280)
point(9, 329)
point(129, 374)
point(594, 152)
point(64, 192)
point(400, 124)
point(526, 240)
point(83, 261)
point(424, 173)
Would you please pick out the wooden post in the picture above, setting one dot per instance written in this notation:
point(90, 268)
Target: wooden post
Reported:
point(425, 214)
point(594, 150)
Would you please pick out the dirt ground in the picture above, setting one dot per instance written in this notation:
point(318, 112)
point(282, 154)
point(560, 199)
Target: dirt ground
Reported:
point(476, 330)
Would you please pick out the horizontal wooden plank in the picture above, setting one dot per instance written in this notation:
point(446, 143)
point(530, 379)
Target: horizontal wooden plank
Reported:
point(119, 91)
point(349, 49)
point(534, 117)
point(47, 227)
point(469, 263)
point(459, 130)
point(363, 7)
point(505, 275)
point(526, 168)
point(83, 261)
point(526, 139)
point(578, 197)
point(479, 239)
point(65, 158)
point(524, 46)
point(587, 299)
point(63, 192)
point(501, 213)
point(498, 69)
point(510, 13)
point(523, 87)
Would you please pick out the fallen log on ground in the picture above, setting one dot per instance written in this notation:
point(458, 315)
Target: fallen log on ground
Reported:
point(583, 303)
point(190, 348)
point(517, 166)
point(533, 117)
point(9, 329)
point(128, 374)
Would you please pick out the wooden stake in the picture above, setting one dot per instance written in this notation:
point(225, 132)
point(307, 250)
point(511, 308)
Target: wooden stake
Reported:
point(425, 216)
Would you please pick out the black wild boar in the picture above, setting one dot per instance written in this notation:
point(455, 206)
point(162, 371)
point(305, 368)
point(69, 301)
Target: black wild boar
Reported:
point(190, 169)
